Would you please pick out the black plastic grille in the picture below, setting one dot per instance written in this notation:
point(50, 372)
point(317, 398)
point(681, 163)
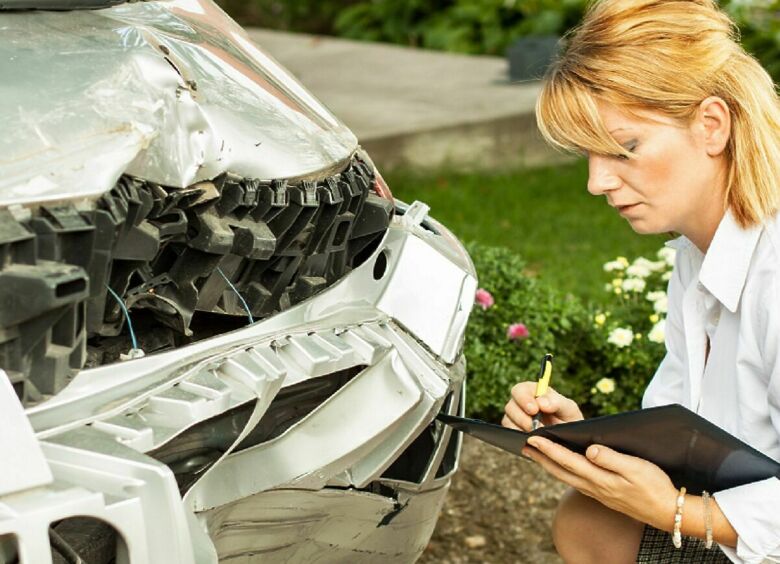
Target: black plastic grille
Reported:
point(165, 250)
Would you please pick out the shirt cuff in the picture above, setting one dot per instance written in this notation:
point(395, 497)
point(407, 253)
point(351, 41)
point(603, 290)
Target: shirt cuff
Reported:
point(752, 511)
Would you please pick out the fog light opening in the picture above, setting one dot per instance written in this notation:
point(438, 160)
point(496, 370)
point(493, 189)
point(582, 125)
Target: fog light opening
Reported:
point(380, 265)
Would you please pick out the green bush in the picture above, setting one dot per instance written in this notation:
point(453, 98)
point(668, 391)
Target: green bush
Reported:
point(603, 359)
point(495, 363)
point(474, 26)
point(628, 334)
point(759, 23)
point(464, 26)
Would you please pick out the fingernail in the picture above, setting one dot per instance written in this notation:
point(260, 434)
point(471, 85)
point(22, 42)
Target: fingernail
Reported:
point(533, 442)
point(593, 452)
point(544, 402)
point(530, 406)
point(525, 453)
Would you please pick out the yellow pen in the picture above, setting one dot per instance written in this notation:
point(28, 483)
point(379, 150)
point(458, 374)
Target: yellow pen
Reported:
point(545, 372)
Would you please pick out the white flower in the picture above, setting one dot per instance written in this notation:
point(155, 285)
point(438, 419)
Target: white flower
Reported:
point(634, 285)
point(655, 296)
point(667, 254)
point(654, 266)
point(605, 385)
point(666, 276)
point(613, 265)
point(638, 271)
point(660, 306)
point(621, 337)
point(657, 332)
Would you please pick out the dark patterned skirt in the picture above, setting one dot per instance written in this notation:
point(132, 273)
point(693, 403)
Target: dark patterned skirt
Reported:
point(656, 548)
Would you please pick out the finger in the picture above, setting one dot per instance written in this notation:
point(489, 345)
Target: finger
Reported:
point(571, 461)
point(523, 395)
point(508, 423)
point(555, 470)
point(553, 402)
point(519, 417)
point(613, 461)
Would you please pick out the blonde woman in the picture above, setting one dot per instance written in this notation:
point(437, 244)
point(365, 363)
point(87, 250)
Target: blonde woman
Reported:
point(681, 129)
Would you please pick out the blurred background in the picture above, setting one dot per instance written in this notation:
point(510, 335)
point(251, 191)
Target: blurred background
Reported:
point(441, 94)
point(477, 27)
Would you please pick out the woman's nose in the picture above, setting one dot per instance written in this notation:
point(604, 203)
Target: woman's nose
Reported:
point(601, 176)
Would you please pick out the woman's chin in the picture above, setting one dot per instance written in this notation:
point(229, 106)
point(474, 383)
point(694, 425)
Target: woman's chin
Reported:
point(644, 227)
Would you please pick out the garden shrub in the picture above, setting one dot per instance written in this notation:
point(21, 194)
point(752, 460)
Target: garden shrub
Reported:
point(628, 334)
point(474, 26)
point(604, 357)
point(464, 26)
point(496, 362)
point(759, 24)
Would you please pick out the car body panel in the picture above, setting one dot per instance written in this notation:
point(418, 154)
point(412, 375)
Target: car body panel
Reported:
point(173, 92)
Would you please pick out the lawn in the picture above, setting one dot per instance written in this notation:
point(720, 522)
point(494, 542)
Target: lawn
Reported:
point(545, 214)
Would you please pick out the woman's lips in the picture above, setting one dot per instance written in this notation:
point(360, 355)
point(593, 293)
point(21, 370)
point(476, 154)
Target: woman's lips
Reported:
point(625, 210)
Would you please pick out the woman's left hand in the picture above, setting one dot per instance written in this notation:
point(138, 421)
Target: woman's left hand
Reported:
point(633, 486)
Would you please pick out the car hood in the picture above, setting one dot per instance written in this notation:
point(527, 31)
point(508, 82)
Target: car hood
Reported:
point(172, 92)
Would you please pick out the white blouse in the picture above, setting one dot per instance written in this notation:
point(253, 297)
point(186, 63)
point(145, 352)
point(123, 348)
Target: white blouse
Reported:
point(732, 295)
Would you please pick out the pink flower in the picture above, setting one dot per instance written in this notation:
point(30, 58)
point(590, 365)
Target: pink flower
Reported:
point(484, 298)
point(517, 331)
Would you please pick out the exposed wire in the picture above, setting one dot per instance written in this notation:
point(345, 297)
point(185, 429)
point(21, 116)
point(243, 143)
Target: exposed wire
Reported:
point(63, 548)
point(127, 317)
point(240, 297)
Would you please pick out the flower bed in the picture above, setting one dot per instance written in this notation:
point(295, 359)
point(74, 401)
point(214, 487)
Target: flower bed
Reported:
point(603, 357)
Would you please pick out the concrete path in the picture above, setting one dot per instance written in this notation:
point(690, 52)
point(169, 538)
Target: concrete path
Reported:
point(414, 107)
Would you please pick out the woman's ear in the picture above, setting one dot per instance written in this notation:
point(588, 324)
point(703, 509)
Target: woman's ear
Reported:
point(715, 118)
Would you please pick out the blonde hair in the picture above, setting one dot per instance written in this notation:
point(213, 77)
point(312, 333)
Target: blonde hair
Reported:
point(667, 56)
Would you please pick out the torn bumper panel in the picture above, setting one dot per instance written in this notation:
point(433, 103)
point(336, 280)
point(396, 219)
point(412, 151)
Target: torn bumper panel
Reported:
point(200, 453)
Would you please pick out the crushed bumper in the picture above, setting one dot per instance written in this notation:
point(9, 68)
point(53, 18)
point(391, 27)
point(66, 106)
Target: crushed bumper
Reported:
point(199, 453)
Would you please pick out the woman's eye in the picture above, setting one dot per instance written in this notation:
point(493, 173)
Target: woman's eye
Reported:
point(630, 147)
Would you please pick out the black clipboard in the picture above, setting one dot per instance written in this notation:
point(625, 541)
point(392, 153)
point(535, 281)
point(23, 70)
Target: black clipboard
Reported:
point(694, 452)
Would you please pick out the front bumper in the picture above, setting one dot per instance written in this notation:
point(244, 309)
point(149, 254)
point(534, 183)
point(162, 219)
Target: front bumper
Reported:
point(209, 452)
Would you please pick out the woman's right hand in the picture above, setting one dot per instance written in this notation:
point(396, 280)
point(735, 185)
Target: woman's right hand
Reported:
point(521, 408)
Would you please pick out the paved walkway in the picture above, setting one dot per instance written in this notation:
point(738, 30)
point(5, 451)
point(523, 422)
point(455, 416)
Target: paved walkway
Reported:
point(417, 107)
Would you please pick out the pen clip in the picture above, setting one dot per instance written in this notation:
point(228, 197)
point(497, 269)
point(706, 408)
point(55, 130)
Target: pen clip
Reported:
point(545, 371)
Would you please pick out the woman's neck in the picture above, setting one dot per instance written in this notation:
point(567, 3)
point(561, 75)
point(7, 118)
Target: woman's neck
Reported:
point(701, 232)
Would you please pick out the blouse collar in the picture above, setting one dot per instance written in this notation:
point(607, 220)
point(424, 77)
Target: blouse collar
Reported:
point(726, 263)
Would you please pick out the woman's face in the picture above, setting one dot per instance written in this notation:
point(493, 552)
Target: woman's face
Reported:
point(673, 182)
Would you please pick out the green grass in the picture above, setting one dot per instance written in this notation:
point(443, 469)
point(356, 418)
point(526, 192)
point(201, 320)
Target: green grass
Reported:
point(545, 214)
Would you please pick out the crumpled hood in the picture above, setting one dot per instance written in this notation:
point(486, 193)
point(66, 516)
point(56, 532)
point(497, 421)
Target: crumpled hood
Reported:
point(172, 92)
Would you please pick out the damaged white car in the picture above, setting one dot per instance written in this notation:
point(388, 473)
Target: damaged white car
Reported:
point(220, 337)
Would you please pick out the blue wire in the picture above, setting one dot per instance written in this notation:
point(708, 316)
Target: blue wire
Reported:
point(240, 297)
point(127, 316)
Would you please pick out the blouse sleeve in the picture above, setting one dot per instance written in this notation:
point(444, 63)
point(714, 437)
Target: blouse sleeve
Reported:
point(752, 509)
point(667, 384)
